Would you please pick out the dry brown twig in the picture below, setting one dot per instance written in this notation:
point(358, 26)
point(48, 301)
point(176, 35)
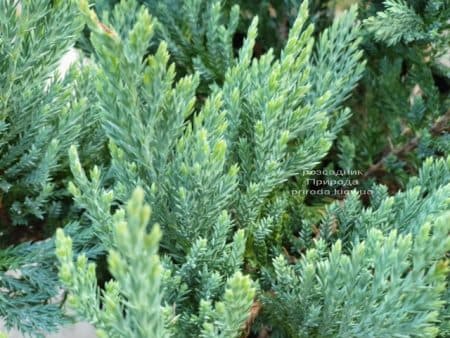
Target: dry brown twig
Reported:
point(254, 312)
point(440, 125)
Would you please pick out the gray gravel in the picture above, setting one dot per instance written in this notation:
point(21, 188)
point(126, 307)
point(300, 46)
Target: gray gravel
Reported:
point(80, 330)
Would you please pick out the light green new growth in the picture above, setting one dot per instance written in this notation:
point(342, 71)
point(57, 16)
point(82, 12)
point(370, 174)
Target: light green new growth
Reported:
point(217, 127)
point(386, 286)
point(41, 114)
point(131, 304)
point(425, 197)
point(207, 167)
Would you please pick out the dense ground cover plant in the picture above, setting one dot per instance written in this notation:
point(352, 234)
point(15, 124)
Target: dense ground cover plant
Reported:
point(260, 179)
point(406, 43)
point(41, 114)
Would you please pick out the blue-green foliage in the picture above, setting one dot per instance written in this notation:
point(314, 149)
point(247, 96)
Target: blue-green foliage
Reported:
point(209, 170)
point(425, 197)
point(40, 117)
point(215, 122)
point(401, 106)
point(372, 291)
point(198, 33)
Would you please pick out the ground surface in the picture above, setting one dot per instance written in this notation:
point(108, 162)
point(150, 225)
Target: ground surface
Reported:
point(80, 330)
